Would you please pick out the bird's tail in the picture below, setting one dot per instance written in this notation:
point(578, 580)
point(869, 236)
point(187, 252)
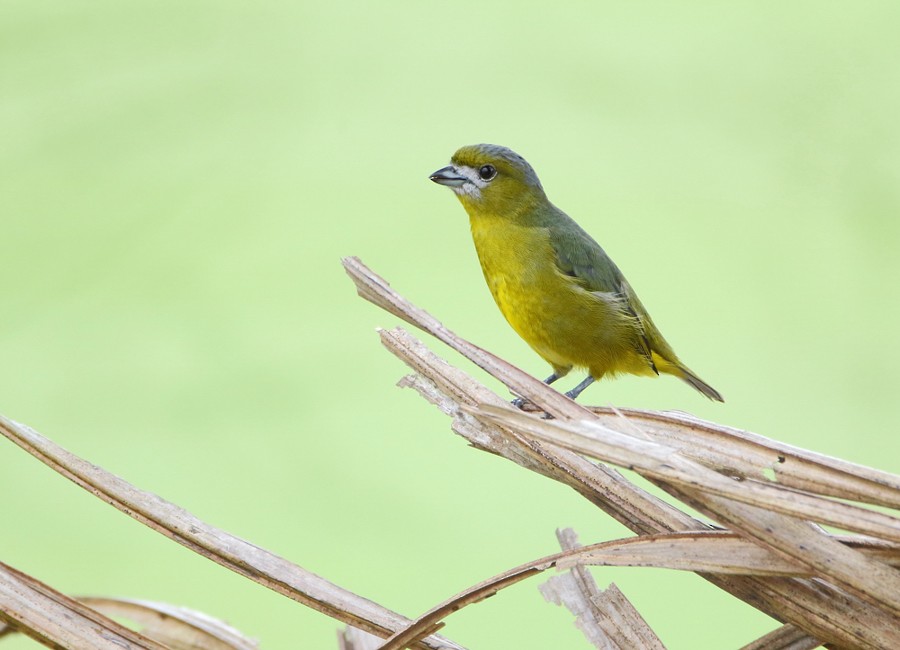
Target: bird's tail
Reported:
point(688, 377)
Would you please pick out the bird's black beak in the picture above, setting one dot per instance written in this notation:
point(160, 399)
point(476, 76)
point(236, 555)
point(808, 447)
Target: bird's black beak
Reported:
point(448, 176)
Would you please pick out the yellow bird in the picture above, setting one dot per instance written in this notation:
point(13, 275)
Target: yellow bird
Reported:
point(554, 284)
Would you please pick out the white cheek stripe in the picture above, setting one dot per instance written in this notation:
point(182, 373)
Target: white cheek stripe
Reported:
point(474, 186)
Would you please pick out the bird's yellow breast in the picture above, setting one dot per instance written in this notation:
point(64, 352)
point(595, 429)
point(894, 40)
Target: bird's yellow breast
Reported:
point(515, 261)
point(565, 324)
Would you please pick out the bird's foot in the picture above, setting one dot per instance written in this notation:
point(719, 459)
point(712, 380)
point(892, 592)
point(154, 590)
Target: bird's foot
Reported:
point(529, 407)
point(520, 402)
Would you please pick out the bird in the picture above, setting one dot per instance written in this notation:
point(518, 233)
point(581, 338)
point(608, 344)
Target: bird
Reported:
point(552, 281)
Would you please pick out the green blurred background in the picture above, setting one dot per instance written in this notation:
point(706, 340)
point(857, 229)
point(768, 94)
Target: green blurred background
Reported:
point(179, 180)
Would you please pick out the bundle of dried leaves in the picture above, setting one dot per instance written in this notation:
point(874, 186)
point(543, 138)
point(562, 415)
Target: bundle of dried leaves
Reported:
point(767, 547)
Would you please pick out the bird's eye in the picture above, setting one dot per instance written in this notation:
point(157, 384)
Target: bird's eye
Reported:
point(487, 172)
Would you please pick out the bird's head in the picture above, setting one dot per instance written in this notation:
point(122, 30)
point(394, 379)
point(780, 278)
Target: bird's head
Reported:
point(490, 179)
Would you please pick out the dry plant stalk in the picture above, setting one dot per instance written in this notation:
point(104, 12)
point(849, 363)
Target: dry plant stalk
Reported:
point(172, 521)
point(786, 637)
point(842, 591)
point(351, 638)
point(606, 618)
point(178, 628)
point(54, 619)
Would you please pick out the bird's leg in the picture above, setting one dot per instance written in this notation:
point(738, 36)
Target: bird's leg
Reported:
point(575, 392)
point(549, 380)
point(520, 401)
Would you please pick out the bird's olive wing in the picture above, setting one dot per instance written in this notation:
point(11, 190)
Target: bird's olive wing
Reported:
point(580, 257)
point(636, 309)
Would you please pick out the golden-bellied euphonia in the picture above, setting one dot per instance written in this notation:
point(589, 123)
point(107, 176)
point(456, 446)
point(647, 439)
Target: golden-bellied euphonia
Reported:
point(554, 284)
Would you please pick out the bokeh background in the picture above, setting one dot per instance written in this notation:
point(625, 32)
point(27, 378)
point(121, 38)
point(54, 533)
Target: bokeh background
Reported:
point(178, 183)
